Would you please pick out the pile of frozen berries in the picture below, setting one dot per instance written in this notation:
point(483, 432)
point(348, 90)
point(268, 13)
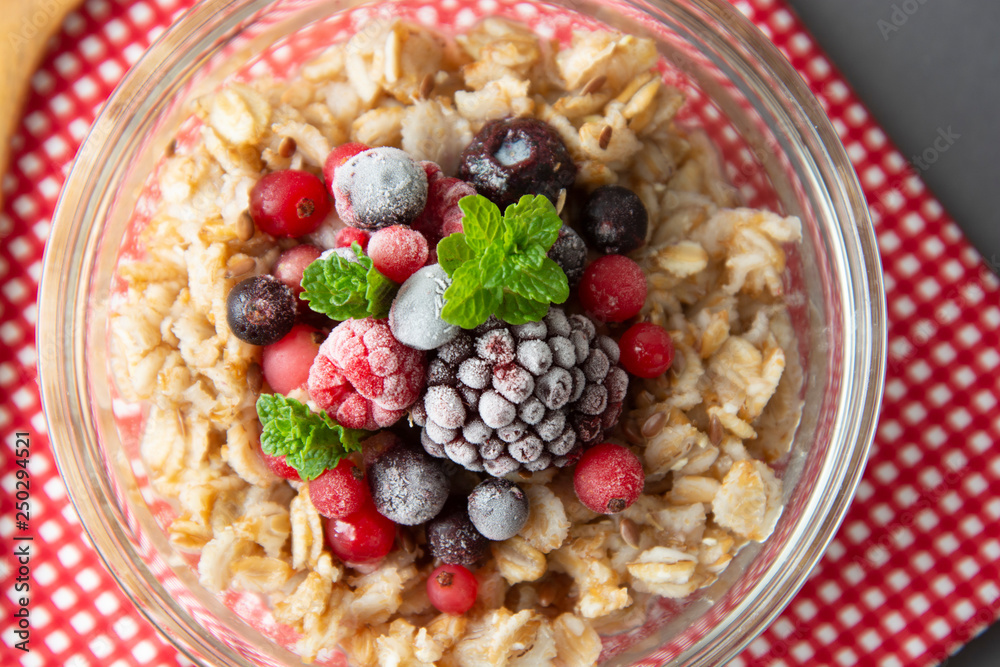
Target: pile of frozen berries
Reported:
point(356, 331)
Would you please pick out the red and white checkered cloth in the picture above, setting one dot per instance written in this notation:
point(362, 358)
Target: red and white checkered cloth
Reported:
point(911, 576)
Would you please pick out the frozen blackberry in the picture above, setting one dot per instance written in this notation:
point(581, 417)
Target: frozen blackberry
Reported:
point(498, 509)
point(260, 310)
point(614, 220)
point(512, 157)
point(453, 539)
point(407, 486)
point(570, 253)
point(504, 398)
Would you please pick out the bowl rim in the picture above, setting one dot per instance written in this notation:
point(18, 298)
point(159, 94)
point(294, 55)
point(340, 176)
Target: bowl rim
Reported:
point(68, 418)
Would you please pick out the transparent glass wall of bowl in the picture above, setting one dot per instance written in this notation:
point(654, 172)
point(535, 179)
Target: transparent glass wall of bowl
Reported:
point(750, 101)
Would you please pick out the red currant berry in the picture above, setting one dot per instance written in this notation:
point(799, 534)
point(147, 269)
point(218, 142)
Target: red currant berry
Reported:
point(646, 350)
point(362, 537)
point(608, 478)
point(341, 491)
point(613, 288)
point(289, 203)
point(452, 589)
point(286, 363)
point(398, 252)
point(348, 235)
point(292, 263)
point(337, 157)
point(279, 467)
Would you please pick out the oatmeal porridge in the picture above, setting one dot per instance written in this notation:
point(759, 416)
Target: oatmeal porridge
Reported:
point(459, 351)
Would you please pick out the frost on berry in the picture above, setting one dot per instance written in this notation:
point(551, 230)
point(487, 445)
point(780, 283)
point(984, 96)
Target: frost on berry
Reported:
point(364, 377)
point(504, 398)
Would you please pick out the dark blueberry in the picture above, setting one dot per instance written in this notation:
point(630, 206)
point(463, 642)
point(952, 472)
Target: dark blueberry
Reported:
point(614, 220)
point(512, 157)
point(570, 253)
point(498, 509)
point(453, 539)
point(407, 486)
point(260, 310)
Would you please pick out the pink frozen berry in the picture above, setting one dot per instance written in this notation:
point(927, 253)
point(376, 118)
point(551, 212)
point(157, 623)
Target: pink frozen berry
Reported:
point(608, 478)
point(442, 216)
point(364, 377)
point(348, 235)
point(279, 467)
point(292, 263)
point(398, 252)
point(286, 363)
point(340, 491)
point(336, 158)
point(613, 288)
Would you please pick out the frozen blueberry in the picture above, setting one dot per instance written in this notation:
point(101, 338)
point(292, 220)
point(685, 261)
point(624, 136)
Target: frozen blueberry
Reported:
point(512, 157)
point(415, 316)
point(614, 220)
point(379, 188)
point(498, 509)
point(570, 253)
point(407, 486)
point(260, 310)
point(453, 539)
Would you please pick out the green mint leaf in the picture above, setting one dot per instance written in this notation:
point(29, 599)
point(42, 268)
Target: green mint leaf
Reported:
point(467, 302)
point(533, 221)
point(310, 442)
point(481, 222)
point(452, 251)
point(491, 267)
point(499, 264)
point(546, 282)
point(380, 293)
point(515, 309)
point(342, 289)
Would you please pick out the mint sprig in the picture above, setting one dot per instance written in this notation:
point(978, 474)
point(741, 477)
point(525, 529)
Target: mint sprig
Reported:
point(342, 289)
point(310, 442)
point(498, 265)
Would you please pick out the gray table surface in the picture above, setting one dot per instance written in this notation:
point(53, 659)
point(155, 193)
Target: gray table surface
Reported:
point(926, 68)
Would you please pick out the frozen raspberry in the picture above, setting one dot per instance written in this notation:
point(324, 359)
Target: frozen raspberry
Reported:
point(397, 252)
point(498, 509)
point(379, 188)
point(340, 491)
point(286, 363)
point(348, 235)
point(442, 216)
point(289, 203)
point(608, 478)
point(613, 288)
point(512, 157)
point(364, 376)
point(336, 158)
point(407, 486)
point(615, 220)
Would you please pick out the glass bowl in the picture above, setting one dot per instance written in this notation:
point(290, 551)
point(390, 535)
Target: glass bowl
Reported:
point(777, 147)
